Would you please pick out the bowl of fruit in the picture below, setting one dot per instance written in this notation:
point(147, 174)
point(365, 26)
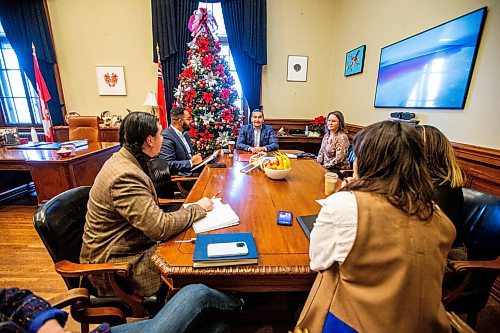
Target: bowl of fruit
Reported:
point(279, 167)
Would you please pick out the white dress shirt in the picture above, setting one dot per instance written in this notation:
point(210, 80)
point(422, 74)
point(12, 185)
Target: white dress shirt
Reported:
point(256, 137)
point(334, 232)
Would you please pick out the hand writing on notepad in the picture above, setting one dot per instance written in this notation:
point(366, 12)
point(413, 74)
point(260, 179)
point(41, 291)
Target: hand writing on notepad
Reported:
point(206, 203)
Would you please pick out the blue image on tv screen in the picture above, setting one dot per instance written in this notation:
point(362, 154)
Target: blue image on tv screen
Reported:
point(432, 69)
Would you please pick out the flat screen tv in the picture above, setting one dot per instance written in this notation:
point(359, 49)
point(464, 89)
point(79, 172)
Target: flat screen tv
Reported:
point(432, 69)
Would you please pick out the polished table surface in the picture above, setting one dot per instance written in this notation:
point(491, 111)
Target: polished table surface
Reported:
point(53, 174)
point(14, 155)
point(283, 251)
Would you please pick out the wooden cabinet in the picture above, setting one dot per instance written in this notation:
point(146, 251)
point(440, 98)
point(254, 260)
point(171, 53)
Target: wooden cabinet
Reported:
point(109, 134)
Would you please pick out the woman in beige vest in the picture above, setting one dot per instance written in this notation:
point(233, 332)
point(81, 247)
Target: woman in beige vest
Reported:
point(380, 245)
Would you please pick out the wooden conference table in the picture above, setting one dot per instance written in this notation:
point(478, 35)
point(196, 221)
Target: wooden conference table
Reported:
point(53, 174)
point(283, 251)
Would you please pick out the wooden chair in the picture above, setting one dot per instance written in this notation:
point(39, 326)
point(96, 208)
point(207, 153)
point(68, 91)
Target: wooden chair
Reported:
point(481, 231)
point(84, 127)
point(167, 185)
point(59, 223)
point(81, 310)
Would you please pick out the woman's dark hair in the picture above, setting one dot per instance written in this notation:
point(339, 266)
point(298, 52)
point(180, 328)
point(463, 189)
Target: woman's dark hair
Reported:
point(340, 117)
point(390, 159)
point(134, 130)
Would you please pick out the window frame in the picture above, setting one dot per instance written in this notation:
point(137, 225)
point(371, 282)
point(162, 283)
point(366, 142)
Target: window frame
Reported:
point(31, 100)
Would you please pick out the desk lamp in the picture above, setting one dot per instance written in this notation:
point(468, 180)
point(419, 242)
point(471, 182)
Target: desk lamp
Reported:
point(151, 101)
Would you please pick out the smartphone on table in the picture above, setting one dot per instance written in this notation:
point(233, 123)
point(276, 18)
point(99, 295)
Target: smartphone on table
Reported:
point(227, 249)
point(284, 218)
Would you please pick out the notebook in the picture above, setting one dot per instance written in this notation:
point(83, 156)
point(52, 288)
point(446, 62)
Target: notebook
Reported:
point(306, 223)
point(221, 216)
point(206, 160)
point(201, 259)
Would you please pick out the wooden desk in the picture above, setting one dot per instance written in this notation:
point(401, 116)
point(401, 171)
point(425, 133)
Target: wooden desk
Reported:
point(53, 174)
point(283, 251)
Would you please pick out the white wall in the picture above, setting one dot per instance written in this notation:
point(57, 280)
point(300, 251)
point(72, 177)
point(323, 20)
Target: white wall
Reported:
point(103, 32)
point(383, 22)
point(298, 27)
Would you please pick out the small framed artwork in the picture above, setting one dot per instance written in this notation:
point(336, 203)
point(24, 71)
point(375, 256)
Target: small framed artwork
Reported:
point(354, 61)
point(111, 80)
point(297, 68)
point(9, 136)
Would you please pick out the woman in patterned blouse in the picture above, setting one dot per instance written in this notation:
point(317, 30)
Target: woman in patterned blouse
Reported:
point(333, 152)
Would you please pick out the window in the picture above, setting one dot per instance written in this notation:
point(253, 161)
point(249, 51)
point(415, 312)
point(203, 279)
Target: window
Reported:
point(216, 10)
point(18, 99)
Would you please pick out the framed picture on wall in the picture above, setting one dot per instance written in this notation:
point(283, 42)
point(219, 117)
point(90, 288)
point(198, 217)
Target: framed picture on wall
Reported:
point(354, 61)
point(111, 80)
point(297, 68)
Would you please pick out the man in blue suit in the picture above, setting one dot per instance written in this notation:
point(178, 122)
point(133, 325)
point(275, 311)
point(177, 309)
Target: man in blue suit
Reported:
point(257, 136)
point(176, 148)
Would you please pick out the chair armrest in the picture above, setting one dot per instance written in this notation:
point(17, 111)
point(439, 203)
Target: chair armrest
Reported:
point(458, 324)
point(70, 269)
point(69, 297)
point(177, 179)
point(163, 201)
point(481, 265)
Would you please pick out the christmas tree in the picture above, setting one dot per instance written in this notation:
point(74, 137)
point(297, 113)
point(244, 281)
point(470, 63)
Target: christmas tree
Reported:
point(206, 88)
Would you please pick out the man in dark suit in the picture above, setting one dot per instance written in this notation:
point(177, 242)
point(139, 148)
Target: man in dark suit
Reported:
point(257, 136)
point(176, 148)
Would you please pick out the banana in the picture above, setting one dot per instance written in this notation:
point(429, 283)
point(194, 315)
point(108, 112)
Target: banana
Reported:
point(280, 160)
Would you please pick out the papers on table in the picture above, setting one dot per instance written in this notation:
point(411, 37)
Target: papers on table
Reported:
point(206, 160)
point(221, 216)
point(321, 202)
point(291, 155)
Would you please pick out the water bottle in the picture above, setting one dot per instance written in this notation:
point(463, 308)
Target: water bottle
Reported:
point(306, 132)
point(34, 136)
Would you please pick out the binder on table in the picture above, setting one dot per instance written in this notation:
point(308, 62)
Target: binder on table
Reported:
point(201, 259)
point(307, 223)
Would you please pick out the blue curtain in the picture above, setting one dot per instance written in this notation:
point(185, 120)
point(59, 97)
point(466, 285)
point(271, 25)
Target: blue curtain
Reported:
point(25, 22)
point(246, 24)
point(171, 33)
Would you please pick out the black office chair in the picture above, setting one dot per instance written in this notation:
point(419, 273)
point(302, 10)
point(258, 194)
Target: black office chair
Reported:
point(481, 232)
point(59, 223)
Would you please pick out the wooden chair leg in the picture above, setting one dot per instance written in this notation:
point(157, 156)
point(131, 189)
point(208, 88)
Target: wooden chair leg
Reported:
point(85, 327)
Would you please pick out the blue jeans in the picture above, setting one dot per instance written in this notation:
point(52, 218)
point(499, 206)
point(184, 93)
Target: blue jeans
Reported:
point(195, 308)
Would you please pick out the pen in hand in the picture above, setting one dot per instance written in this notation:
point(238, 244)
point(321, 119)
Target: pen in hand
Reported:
point(216, 194)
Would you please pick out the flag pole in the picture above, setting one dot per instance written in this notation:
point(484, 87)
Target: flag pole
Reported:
point(162, 110)
point(43, 98)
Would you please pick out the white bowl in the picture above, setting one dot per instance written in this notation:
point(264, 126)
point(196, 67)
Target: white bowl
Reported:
point(277, 174)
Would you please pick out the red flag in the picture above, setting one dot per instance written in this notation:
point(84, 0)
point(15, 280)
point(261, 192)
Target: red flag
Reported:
point(162, 110)
point(43, 97)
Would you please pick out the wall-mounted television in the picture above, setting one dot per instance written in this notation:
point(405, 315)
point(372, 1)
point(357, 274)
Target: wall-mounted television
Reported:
point(432, 69)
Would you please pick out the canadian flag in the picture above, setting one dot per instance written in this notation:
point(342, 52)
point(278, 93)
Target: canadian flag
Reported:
point(162, 110)
point(43, 97)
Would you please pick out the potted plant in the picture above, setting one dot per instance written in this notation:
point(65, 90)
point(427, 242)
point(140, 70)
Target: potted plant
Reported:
point(317, 125)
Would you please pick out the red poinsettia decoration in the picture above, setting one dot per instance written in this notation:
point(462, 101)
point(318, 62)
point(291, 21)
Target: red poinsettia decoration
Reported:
point(318, 125)
point(207, 60)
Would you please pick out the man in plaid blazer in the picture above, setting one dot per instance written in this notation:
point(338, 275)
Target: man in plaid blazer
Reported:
point(124, 222)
